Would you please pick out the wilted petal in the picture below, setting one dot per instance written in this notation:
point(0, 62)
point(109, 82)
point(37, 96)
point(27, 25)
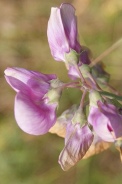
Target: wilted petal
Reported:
point(61, 123)
point(77, 142)
point(97, 146)
point(32, 116)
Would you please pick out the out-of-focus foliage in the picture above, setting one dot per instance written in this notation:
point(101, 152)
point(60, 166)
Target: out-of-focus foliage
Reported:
point(23, 42)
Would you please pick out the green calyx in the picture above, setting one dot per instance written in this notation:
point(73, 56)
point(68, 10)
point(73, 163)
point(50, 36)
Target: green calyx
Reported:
point(72, 58)
point(54, 92)
point(94, 97)
point(85, 70)
point(53, 95)
point(79, 117)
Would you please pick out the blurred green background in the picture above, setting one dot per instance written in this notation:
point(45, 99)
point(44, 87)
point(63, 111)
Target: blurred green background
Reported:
point(29, 159)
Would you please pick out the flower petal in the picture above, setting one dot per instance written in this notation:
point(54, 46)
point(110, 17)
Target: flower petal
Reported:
point(25, 75)
point(56, 35)
point(100, 124)
point(70, 25)
point(39, 83)
point(16, 84)
point(32, 116)
point(115, 119)
point(73, 73)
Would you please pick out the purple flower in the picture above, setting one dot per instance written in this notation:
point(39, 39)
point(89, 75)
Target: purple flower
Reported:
point(106, 121)
point(62, 31)
point(77, 141)
point(36, 100)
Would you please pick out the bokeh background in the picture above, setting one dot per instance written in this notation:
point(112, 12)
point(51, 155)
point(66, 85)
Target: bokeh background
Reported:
point(29, 159)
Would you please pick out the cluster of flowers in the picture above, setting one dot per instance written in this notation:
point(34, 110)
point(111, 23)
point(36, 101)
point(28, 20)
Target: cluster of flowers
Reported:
point(38, 94)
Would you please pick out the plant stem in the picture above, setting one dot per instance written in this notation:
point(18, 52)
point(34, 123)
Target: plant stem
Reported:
point(97, 86)
point(83, 98)
point(80, 74)
point(106, 52)
point(113, 90)
point(70, 85)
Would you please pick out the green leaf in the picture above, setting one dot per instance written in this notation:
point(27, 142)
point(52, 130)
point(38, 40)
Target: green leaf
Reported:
point(115, 103)
point(111, 95)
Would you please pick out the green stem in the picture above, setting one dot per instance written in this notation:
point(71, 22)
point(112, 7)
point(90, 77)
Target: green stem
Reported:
point(83, 98)
point(113, 90)
point(80, 74)
point(70, 85)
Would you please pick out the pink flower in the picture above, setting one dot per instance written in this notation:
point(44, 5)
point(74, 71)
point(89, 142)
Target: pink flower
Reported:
point(34, 106)
point(62, 31)
point(106, 121)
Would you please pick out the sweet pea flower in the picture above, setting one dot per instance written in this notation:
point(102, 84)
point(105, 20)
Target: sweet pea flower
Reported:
point(78, 139)
point(62, 31)
point(36, 99)
point(106, 121)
